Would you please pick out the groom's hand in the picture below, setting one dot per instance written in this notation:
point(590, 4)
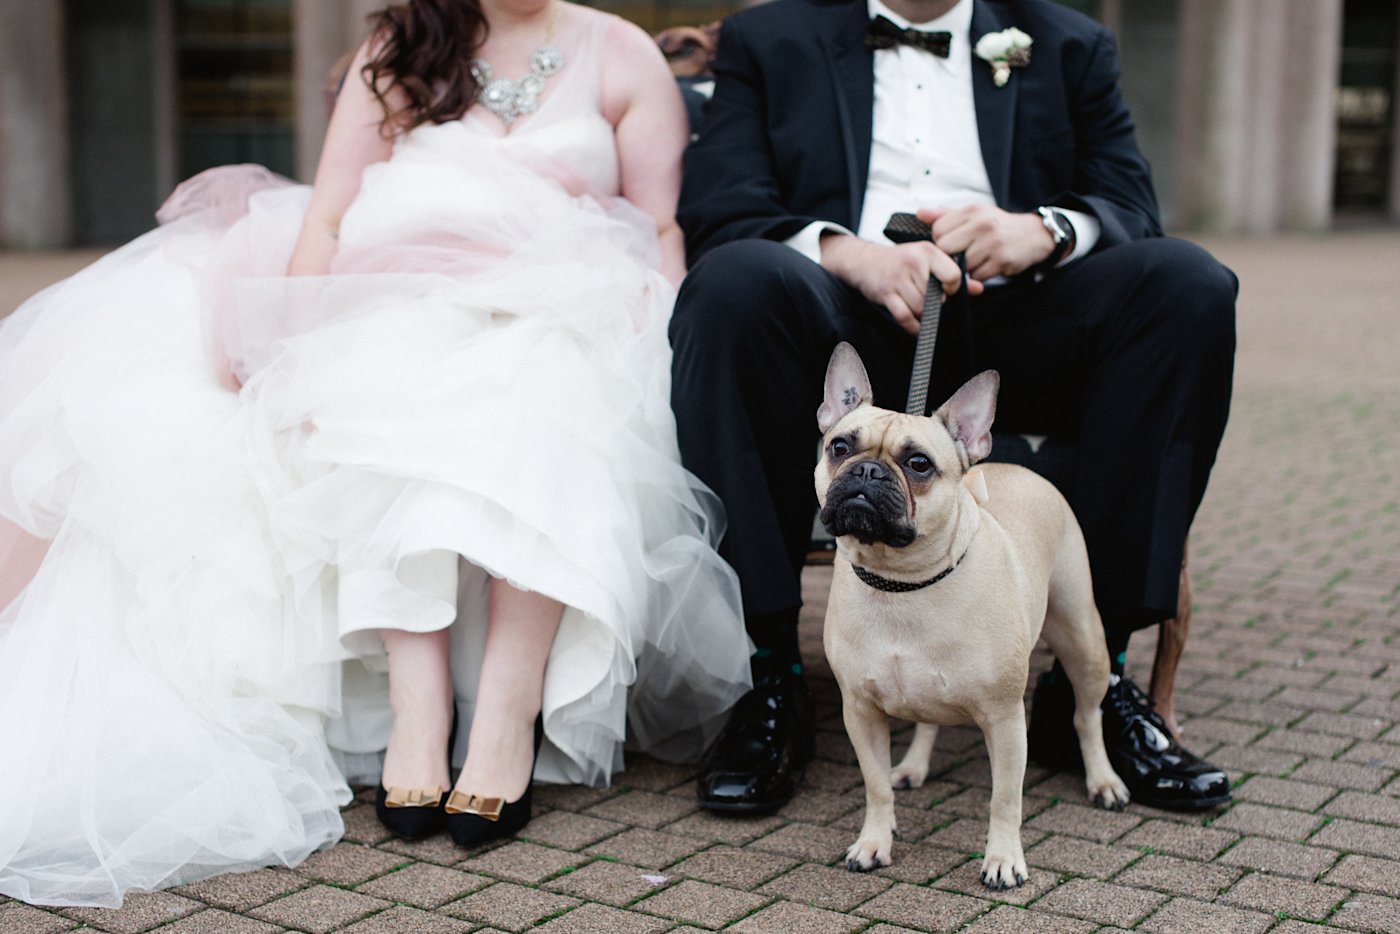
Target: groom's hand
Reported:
point(994, 242)
point(893, 275)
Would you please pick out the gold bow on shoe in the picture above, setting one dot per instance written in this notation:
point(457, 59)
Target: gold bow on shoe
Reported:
point(413, 797)
point(461, 803)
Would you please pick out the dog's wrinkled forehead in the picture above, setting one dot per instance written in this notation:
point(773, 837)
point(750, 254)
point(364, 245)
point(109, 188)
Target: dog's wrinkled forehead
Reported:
point(888, 435)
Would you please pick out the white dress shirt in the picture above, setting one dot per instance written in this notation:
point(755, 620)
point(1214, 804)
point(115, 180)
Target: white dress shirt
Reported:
point(925, 151)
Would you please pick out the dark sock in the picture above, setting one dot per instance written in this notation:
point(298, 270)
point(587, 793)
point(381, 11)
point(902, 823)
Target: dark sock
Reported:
point(1117, 651)
point(775, 643)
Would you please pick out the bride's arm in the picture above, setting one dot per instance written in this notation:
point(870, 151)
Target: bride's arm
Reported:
point(354, 140)
point(641, 99)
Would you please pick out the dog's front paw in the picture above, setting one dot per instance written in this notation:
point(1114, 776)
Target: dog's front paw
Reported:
point(1109, 793)
point(1004, 871)
point(869, 853)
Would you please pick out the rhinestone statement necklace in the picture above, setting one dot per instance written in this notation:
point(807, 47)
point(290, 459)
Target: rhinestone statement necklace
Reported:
point(509, 99)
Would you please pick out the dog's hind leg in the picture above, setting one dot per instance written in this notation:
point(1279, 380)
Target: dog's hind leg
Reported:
point(1074, 633)
point(869, 731)
point(1105, 788)
point(913, 768)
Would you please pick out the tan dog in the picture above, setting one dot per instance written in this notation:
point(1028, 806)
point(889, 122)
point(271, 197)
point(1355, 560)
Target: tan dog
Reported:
point(943, 581)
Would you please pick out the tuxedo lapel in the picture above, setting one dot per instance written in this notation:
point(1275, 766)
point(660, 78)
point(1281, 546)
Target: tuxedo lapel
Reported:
point(996, 106)
point(853, 73)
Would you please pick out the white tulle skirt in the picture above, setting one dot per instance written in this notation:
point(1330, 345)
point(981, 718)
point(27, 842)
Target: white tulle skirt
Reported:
point(217, 484)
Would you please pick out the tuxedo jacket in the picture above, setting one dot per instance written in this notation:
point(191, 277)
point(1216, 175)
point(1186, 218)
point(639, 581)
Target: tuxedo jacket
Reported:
point(786, 138)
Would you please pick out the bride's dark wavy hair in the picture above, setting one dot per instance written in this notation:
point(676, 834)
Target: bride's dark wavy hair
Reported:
point(426, 47)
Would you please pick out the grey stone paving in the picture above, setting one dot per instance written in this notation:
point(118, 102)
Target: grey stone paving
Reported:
point(1291, 679)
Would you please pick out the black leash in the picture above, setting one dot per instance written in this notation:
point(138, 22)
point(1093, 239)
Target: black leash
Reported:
point(907, 228)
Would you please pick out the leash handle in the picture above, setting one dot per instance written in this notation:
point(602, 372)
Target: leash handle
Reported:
point(907, 228)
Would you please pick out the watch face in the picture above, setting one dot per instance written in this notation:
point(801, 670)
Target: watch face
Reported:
point(1057, 225)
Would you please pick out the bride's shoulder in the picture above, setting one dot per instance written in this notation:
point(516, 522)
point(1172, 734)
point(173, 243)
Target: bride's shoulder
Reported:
point(618, 37)
point(630, 64)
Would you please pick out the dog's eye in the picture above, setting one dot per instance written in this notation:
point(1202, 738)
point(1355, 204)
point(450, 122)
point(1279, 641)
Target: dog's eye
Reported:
point(840, 447)
point(919, 464)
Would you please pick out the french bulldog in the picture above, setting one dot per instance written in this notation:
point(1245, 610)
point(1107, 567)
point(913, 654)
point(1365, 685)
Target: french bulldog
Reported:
point(945, 576)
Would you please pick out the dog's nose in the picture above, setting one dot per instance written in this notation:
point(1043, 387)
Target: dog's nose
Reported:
point(871, 470)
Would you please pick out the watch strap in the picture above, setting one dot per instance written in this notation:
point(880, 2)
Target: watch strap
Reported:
point(1062, 230)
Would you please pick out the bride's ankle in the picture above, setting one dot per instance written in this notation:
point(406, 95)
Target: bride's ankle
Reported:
point(500, 758)
point(417, 751)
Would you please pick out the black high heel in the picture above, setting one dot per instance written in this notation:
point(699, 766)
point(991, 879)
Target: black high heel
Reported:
point(473, 820)
point(415, 813)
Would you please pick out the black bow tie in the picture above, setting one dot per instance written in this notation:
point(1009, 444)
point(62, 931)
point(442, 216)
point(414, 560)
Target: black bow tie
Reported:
point(884, 34)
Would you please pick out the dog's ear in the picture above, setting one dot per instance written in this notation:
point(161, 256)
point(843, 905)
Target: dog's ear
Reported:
point(969, 415)
point(847, 386)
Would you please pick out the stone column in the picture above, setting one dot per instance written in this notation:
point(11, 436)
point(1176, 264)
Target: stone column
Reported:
point(323, 31)
point(1307, 119)
point(1256, 120)
point(1110, 13)
point(1149, 46)
point(1208, 114)
point(1395, 142)
point(34, 195)
point(165, 97)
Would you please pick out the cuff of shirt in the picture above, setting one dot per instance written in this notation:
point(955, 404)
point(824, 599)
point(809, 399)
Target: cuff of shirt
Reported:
point(1086, 233)
point(808, 240)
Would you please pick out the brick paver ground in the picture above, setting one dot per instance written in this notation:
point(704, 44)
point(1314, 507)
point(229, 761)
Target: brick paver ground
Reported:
point(1291, 680)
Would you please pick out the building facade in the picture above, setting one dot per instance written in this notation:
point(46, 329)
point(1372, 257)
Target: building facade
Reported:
point(1257, 115)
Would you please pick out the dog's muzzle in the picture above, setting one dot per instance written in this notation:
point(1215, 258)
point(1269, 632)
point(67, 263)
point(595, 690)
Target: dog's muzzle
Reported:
point(867, 503)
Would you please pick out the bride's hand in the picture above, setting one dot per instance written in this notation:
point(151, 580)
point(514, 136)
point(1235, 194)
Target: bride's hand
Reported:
point(672, 242)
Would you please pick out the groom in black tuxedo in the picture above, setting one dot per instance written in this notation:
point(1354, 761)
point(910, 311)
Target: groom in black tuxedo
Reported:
point(829, 115)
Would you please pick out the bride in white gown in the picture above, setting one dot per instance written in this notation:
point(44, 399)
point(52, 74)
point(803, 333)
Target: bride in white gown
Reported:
point(246, 516)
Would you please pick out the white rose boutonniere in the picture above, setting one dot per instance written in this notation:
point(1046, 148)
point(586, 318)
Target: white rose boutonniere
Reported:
point(1005, 50)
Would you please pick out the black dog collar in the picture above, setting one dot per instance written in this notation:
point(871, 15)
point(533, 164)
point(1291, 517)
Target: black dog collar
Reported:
point(893, 586)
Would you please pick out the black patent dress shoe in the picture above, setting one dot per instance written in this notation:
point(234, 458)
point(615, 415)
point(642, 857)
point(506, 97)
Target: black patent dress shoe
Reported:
point(757, 762)
point(1158, 771)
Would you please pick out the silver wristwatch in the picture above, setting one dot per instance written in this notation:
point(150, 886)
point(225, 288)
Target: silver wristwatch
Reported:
point(1061, 231)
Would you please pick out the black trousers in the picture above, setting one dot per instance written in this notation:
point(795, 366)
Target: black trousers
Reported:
point(1129, 350)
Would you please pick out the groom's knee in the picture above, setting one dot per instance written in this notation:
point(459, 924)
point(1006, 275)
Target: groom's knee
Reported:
point(742, 292)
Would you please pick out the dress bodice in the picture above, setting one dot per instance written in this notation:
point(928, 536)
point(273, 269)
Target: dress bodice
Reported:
point(457, 195)
point(567, 138)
